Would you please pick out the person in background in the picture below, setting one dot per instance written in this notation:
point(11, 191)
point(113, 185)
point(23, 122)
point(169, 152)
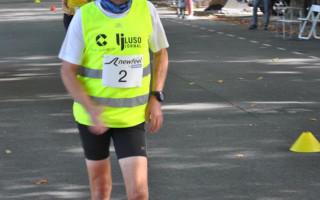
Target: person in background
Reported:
point(266, 14)
point(181, 5)
point(69, 8)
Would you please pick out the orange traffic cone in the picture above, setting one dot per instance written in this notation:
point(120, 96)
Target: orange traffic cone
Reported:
point(53, 8)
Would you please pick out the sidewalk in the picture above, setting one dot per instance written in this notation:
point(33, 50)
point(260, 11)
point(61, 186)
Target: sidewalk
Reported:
point(240, 16)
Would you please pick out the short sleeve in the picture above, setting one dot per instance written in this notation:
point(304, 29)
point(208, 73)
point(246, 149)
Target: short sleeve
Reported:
point(73, 44)
point(158, 39)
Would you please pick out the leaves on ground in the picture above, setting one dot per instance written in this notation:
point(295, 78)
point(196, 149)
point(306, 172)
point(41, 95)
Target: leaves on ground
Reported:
point(240, 155)
point(8, 151)
point(275, 60)
point(260, 78)
point(41, 182)
point(220, 81)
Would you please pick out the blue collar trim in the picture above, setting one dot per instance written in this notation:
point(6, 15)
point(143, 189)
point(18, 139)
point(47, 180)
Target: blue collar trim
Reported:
point(108, 5)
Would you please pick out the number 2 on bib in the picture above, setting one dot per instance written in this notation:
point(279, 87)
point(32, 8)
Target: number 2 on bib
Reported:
point(123, 74)
point(122, 71)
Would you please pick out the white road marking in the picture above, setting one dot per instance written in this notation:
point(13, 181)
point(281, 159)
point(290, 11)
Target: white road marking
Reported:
point(297, 53)
point(281, 49)
point(314, 57)
point(267, 45)
point(241, 38)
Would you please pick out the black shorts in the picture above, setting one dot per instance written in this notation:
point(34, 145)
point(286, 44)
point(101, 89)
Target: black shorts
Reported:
point(127, 142)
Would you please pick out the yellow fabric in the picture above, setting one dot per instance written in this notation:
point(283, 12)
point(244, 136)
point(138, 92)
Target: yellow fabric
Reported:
point(135, 26)
point(76, 3)
point(69, 6)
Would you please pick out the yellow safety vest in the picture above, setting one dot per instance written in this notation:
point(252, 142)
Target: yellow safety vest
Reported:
point(119, 37)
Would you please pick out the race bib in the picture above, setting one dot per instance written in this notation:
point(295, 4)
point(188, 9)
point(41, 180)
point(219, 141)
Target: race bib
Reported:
point(122, 71)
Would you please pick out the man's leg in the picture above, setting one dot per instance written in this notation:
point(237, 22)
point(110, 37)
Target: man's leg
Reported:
point(130, 146)
point(135, 175)
point(100, 179)
point(96, 150)
point(66, 20)
point(266, 6)
point(254, 23)
point(183, 11)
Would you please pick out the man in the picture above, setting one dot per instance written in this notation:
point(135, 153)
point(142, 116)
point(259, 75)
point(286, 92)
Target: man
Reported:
point(106, 69)
point(69, 7)
point(181, 5)
point(266, 14)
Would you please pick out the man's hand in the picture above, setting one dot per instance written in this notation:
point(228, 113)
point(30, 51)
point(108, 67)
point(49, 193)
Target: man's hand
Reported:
point(97, 127)
point(75, 88)
point(154, 115)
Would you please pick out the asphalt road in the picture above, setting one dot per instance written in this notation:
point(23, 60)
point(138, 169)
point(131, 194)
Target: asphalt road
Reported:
point(236, 101)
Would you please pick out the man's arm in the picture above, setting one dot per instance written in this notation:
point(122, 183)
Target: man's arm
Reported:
point(160, 63)
point(76, 90)
point(160, 67)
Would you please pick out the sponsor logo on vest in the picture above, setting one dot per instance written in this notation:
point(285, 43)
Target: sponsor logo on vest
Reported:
point(101, 40)
point(128, 42)
point(132, 62)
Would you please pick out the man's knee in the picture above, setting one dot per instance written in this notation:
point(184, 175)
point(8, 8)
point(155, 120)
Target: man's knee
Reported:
point(139, 194)
point(102, 192)
point(101, 187)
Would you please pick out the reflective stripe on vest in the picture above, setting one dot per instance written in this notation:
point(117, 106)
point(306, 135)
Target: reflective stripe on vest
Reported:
point(97, 73)
point(122, 102)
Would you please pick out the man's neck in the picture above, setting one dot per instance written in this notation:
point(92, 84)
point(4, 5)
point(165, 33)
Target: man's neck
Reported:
point(118, 2)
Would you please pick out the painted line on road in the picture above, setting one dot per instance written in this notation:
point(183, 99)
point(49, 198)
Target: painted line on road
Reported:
point(314, 57)
point(267, 45)
point(241, 38)
point(281, 49)
point(297, 53)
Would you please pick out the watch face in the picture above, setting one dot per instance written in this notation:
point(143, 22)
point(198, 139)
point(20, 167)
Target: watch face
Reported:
point(159, 95)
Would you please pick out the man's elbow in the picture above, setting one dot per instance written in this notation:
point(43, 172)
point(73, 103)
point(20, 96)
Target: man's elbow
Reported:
point(67, 69)
point(162, 52)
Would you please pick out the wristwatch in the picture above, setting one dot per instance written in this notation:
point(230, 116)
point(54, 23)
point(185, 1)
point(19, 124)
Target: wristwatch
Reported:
point(159, 95)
